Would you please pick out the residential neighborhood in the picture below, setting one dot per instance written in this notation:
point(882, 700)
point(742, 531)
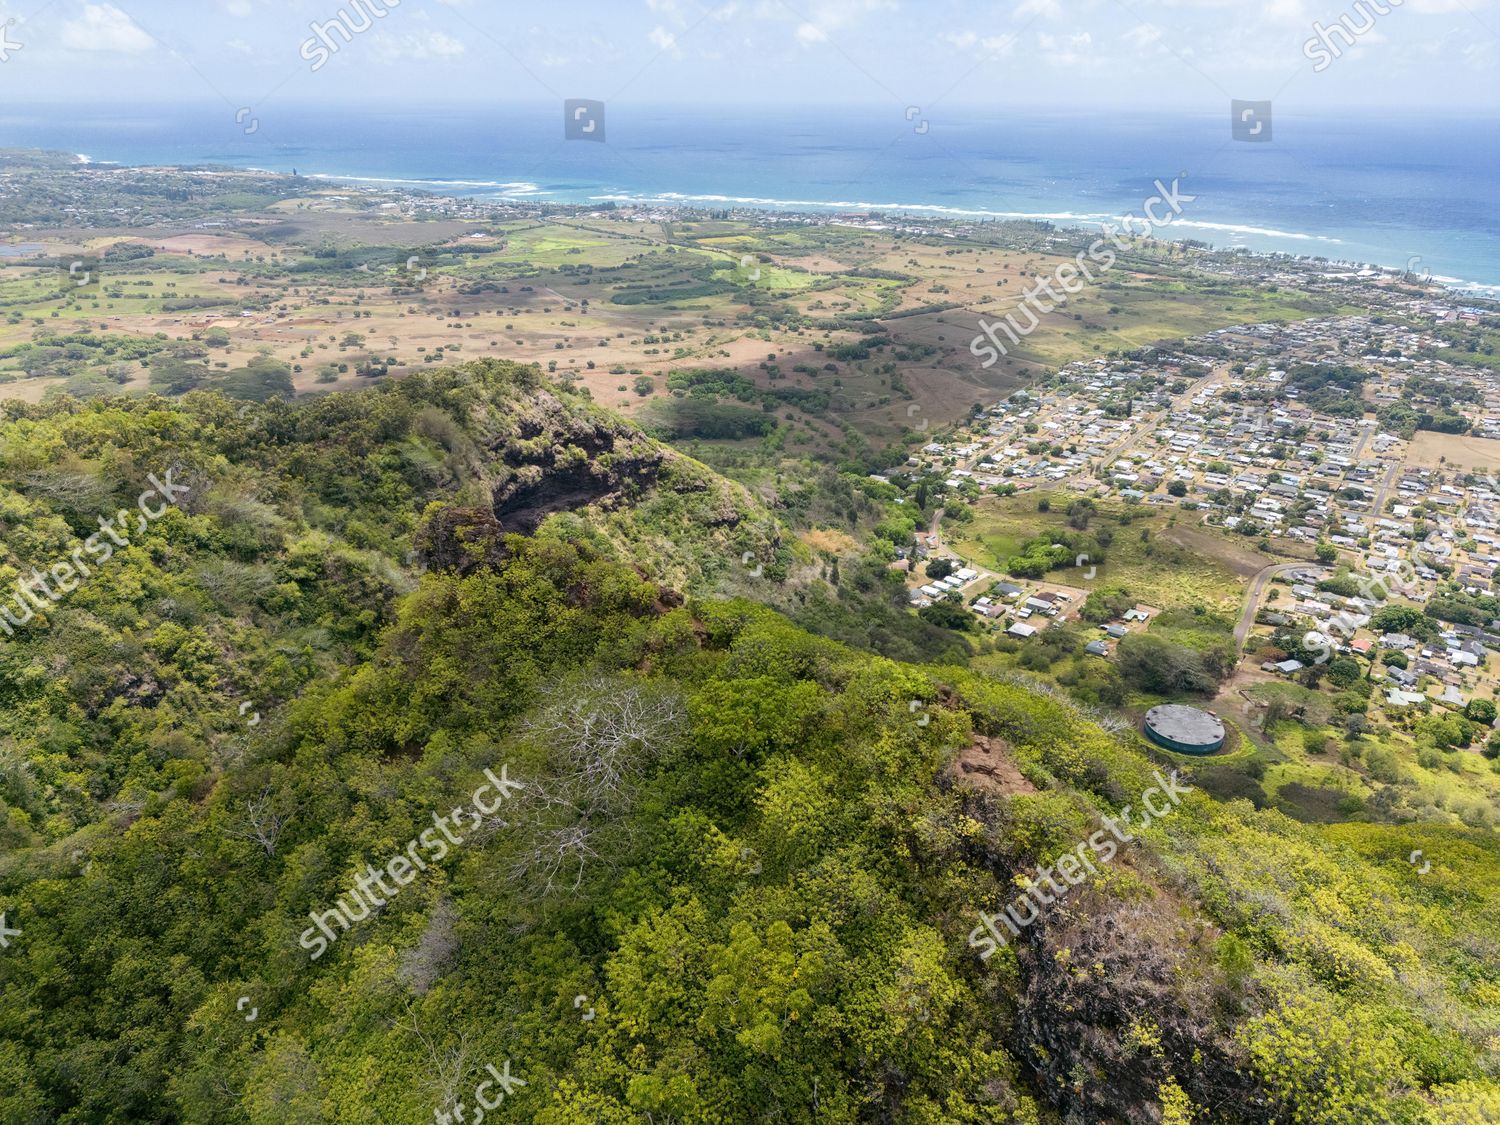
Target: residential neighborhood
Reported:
point(1360, 443)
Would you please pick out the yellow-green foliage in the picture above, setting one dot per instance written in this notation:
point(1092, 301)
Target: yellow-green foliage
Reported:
point(741, 847)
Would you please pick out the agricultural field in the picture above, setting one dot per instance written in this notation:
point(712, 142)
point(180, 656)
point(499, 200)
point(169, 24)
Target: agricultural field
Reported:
point(840, 331)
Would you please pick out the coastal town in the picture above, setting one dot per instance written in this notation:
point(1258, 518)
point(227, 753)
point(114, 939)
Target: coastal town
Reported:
point(1341, 437)
point(1359, 451)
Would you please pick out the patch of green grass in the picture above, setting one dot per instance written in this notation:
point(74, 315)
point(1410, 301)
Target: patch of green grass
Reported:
point(1155, 570)
point(1145, 311)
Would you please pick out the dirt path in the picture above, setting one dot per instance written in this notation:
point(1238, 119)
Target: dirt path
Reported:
point(1233, 700)
point(987, 765)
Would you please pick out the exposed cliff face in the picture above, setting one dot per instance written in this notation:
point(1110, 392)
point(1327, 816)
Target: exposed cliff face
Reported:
point(1116, 998)
point(560, 459)
point(553, 463)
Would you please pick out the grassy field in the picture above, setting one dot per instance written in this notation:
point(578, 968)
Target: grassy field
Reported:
point(1161, 556)
point(1452, 787)
point(1433, 451)
point(1134, 312)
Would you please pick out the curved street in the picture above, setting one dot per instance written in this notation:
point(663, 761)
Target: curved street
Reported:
point(1258, 587)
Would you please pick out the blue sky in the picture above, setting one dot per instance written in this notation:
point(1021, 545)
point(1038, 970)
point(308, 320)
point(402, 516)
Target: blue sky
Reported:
point(1097, 54)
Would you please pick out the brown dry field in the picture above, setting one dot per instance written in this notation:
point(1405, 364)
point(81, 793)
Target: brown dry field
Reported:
point(1234, 555)
point(549, 325)
point(1430, 450)
point(830, 541)
point(203, 245)
point(28, 390)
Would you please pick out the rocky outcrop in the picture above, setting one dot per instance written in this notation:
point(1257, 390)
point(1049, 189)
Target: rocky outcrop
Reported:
point(554, 463)
point(559, 459)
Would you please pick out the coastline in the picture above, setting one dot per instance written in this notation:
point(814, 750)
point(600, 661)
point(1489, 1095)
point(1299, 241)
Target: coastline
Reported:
point(526, 193)
point(523, 192)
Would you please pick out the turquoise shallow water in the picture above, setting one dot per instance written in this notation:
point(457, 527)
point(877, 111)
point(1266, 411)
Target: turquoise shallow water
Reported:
point(1372, 189)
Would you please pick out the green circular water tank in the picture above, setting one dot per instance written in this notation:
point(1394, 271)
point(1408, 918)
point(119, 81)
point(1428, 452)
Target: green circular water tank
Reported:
point(1186, 730)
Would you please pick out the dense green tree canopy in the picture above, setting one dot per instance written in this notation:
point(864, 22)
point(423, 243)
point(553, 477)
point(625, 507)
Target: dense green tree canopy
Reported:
point(741, 873)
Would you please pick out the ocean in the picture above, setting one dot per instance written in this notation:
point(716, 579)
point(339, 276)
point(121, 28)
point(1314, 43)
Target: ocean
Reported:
point(1403, 192)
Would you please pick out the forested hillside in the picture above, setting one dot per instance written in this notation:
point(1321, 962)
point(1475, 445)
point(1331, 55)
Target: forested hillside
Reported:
point(282, 558)
point(722, 870)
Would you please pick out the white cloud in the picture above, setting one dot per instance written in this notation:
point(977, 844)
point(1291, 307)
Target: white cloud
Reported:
point(830, 16)
point(422, 45)
point(1287, 13)
point(1480, 54)
point(1069, 50)
point(1446, 7)
point(663, 40)
point(103, 27)
point(1143, 35)
point(997, 46)
point(1029, 8)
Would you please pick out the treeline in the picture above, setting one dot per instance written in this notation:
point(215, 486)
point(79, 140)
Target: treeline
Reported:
point(1186, 651)
point(1400, 418)
point(1045, 553)
point(1335, 391)
point(682, 419)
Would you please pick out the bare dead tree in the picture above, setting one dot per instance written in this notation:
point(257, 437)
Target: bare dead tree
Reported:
point(423, 963)
point(603, 735)
point(264, 821)
point(448, 1066)
point(77, 490)
point(604, 732)
point(559, 852)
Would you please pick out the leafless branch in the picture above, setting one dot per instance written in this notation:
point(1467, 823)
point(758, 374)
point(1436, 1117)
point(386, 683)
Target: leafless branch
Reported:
point(264, 821)
point(603, 735)
point(447, 1067)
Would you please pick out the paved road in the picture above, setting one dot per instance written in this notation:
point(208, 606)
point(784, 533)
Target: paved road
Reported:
point(941, 545)
point(1257, 588)
point(1385, 490)
point(1148, 424)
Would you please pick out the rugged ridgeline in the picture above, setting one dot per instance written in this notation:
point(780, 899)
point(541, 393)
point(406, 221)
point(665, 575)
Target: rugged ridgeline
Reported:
point(722, 871)
point(288, 537)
